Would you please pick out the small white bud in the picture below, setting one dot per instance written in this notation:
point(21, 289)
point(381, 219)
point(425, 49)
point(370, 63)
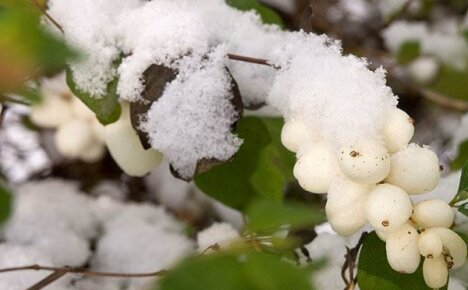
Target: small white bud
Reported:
point(345, 208)
point(294, 134)
point(388, 207)
point(402, 249)
point(367, 162)
point(315, 168)
point(430, 244)
point(73, 137)
point(398, 130)
point(415, 169)
point(433, 213)
point(435, 272)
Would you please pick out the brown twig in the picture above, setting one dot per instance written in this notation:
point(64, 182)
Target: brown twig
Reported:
point(84, 272)
point(350, 264)
point(250, 59)
point(47, 15)
point(49, 279)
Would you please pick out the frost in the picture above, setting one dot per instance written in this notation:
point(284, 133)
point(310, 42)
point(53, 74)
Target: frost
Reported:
point(218, 233)
point(197, 105)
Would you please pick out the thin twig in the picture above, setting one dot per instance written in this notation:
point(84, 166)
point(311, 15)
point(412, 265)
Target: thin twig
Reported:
point(49, 279)
point(350, 263)
point(396, 15)
point(84, 272)
point(47, 15)
point(250, 59)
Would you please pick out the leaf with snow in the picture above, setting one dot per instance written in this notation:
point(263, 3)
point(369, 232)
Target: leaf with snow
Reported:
point(192, 122)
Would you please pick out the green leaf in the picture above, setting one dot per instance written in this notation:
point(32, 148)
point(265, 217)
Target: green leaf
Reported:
point(374, 271)
point(451, 83)
point(269, 216)
point(5, 202)
point(268, 15)
point(106, 108)
point(261, 168)
point(408, 51)
point(461, 198)
point(231, 271)
point(462, 157)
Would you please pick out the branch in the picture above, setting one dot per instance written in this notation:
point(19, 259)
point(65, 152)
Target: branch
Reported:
point(250, 60)
point(350, 263)
point(49, 279)
point(84, 271)
point(47, 15)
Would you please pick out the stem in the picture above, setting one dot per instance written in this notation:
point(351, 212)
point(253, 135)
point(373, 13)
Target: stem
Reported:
point(49, 279)
point(47, 15)
point(250, 59)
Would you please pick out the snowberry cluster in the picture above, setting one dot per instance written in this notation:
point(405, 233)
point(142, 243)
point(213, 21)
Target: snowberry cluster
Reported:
point(78, 133)
point(370, 182)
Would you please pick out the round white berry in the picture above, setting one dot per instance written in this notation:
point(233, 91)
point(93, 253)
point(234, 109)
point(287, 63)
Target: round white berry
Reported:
point(51, 112)
point(367, 162)
point(453, 246)
point(98, 130)
point(398, 130)
point(126, 149)
point(294, 134)
point(402, 249)
point(94, 152)
point(315, 168)
point(423, 69)
point(435, 272)
point(345, 208)
point(415, 169)
point(430, 244)
point(80, 110)
point(433, 213)
point(383, 235)
point(388, 207)
point(73, 137)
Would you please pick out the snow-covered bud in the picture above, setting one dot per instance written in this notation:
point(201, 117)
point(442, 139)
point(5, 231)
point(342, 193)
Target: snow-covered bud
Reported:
point(126, 149)
point(315, 168)
point(294, 134)
point(73, 137)
point(51, 112)
point(415, 169)
point(345, 208)
point(220, 234)
point(430, 244)
point(367, 162)
point(398, 130)
point(423, 69)
point(453, 246)
point(435, 272)
point(433, 213)
point(402, 249)
point(388, 207)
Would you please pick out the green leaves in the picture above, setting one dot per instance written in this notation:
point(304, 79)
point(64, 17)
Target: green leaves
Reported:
point(269, 216)
point(5, 202)
point(462, 157)
point(408, 51)
point(231, 271)
point(461, 199)
point(374, 271)
point(27, 50)
point(260, 170)
point(451, 83)
point(268, 15)
point(106, 108)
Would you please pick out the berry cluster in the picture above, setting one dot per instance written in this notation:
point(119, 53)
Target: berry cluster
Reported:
point(370, 182)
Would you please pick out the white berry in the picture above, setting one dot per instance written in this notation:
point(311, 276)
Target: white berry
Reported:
point(73, 137)
point(415, 169)
point(294, 134)
point(435, 272)
point(453, 245)
point(430, 244)
point(345, 206)
point(367, 162)
point(388, 207)
point(126, 149)
point(315, 168)
point(433, 213)
point(51, 112)
point(398, 130)
point(402, 249)
point(93, 153)
point(80, 110)
point(423, 69)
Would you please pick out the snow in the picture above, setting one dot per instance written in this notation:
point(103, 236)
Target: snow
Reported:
point(54, 224)
point(221, 234)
